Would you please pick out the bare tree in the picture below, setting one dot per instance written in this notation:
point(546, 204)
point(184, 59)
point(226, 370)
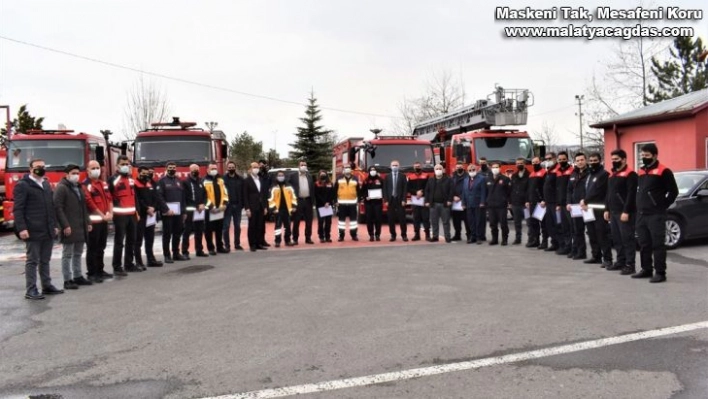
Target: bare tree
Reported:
point(547, 135)
point(147, 103)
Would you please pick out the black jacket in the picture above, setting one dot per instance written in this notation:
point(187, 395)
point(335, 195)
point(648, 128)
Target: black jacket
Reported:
point(417, 182)
point(535, 193)
point(401, 189)
point(373, 183)
point(295, 183)
point(498, 192)
point(34, 209)
point(657, 189)
point(194, 193)
point(576, 186)
point(459, 180)
point(170, 189)
point(234, 188)
point(446, 185)
point(596, 187)
point(562, 178)
point(70, 208)
point(324, 193)
point(519, 188)
point(253, 199)
point(147, 197)
point(550, 185)
point(622, 191)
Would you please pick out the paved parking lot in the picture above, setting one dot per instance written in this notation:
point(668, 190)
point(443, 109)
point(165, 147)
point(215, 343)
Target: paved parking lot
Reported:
point(432, 320)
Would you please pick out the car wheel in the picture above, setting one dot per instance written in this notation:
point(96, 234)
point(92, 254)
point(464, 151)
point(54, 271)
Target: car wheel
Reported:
point(674, 232)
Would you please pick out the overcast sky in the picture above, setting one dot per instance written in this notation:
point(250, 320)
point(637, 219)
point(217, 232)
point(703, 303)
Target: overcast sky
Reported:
point(363, 56)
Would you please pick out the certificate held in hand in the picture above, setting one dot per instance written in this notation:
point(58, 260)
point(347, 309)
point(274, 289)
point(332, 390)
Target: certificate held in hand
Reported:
point(375, 193)
point(325, 211)
point(415, 201)
point(539, 212)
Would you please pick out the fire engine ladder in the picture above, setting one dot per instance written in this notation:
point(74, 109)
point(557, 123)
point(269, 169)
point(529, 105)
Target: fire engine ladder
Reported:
point(510, 108)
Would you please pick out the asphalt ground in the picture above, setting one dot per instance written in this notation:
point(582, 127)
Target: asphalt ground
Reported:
point(326, 314)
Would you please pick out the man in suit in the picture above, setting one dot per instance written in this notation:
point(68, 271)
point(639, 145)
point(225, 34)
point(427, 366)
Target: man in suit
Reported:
point(395, 190)
point(305, 191)
point(255, 201)
point(474, 195)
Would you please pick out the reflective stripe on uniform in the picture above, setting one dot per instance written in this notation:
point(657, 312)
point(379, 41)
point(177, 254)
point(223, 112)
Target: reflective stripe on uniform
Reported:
point(190, 209)
point(596, 206)
point(342, 224)
point(347, 202)
point(123, 210)
point(96, 218)
point(278, 232)
point(353, 225)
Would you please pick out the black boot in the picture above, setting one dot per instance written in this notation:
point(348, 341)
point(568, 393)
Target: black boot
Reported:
point(416, 236)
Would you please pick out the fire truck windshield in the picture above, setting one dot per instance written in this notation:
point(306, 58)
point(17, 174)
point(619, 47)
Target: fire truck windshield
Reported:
point(56, 154)
point(406, 154)
point(159, 150)
point(505, 149)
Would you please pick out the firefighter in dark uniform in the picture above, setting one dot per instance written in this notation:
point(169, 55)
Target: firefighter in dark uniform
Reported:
point(121, 186)
point(657, 191)
point(535, 196)
point(324, 198)
point(565, 231)
point(576, 193)
point(498, 195)
point(549, 201)
point(171, 194)
point(519, 193)
point(595, 197)
point(373, 206)
point(421, 214)
point(347, 190)
point(263, 173)
point(621, 211)
point(148, 206)
point(459, 217)
point(195, 201)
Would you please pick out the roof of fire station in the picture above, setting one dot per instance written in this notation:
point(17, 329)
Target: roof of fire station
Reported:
point(679, 107)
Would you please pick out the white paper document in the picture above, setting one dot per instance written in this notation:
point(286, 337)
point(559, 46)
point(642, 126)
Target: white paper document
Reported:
point(588, 216)
point(527, 213)
point(457, 206)
point(216, 215)
point(325, 211)
point(175, 207)
point(576, 211)
point(375, 193)
point(539, 212)
point(415, 201)
point(150, 220)
point(198, 216)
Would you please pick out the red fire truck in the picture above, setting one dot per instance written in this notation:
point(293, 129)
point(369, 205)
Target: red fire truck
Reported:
point(361, 154)
point(181, 143)
point(466, 135)
point(57, 148)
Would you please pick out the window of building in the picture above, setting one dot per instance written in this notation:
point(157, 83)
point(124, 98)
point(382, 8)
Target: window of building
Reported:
point(637, 151)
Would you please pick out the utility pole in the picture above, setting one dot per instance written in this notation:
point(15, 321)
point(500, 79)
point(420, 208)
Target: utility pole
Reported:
point(579, 114)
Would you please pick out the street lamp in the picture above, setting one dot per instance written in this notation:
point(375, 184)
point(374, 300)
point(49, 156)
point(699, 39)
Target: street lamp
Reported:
point(376, 132)
point(211, 126)
point(580, 99)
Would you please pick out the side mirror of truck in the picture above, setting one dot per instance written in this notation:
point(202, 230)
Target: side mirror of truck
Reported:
point(541, 151)
point(123, 148)
point(100, 155)
point(224, 151)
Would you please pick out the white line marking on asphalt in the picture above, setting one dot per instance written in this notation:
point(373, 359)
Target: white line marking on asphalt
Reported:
point(461, 366)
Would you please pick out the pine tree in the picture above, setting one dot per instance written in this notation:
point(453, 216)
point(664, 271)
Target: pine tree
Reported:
point(22, 123)
point(244, 149)
point(682, 73)
point(314, 142)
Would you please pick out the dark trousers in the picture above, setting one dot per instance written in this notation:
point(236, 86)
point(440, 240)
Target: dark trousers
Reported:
point(324, 227)
point(232, 214)
point(282, 226)
point(421, 216)
point(125, 229)
point(498, 216)
point(96, 247)
point(598, 233)
point(397, 214)
point(214, 231)
point(579, 246)
point(458, 218)
point(623, 238)
point(39, 253)
point(551, 223)
point(480, 217)
point(198, 228)
point(303, 213)
point(565, 231)
point(471, 214)
point(256, 224)
point(374, 218)
point(148, 234)
point(651, 232)
point(171, 233)
point(518, 212)
point(347, 211)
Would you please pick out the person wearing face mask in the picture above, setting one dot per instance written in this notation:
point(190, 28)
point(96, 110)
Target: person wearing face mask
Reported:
point(421, 214)
point(255, 201)
point(657, 190)
point(394, 192)
point(263, 174)
point(304, 189)
point(621, 211)
point(519, 193)
point(148, 207)
point(550, 195)
point(347, 189)
point(100, 206)
point(283, 202)
point(324, 198)
point(498, 195)
point(195, 201)
point(534, 197)
point(575, 193)
point(125, 218)
point(234, 189)
point(170, 194)
point(35, 224)
point(217, 201)
point(458, 217)
point(438, 197)
point(565, 232)
point(374, 206)
point(484, 168)
point(474, 197)
point(595, 197)
point(74, 226)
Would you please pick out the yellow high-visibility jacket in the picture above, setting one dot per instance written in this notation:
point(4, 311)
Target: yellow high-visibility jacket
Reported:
point(211, 196)
point(275, 197)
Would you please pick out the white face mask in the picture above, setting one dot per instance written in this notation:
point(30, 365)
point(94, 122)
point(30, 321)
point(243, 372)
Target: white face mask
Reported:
point(472, 174)
point(303, 169)
point(550, 164)
point(438, 172)
point(124, 169)
point(213, 172)
point(281, 178)
point(255, 171)
point(495, 171)
point(347, 171)
point(94, 173)
point(372, 173)
point(74, 178)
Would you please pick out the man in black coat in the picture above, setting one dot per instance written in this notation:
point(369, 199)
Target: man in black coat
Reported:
point(147, 205)
point(565, 230)
point(255, 201)
point(519, 193)
point(576, 193)
point(498, 194)
point(35, 223)
point(304, 188)
point(394, 193)
point(621, 211)
point(234, 187)
point(595, 197)
point(459, 217)
point(195, 203)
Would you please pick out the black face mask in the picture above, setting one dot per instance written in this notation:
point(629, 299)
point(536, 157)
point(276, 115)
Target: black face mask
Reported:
point(647, 161)
point(616, 165)
point(460, 171)
point(537, 167)
point(520, 167)
point(594, 167)
point(563, 164)
point(171, 172)
point(144, 178)
point(150, 176)
point(194, 174)
point(323, 177)
point(485, 167)
point(418, 170)
point(232, 172)
point(39, 172)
